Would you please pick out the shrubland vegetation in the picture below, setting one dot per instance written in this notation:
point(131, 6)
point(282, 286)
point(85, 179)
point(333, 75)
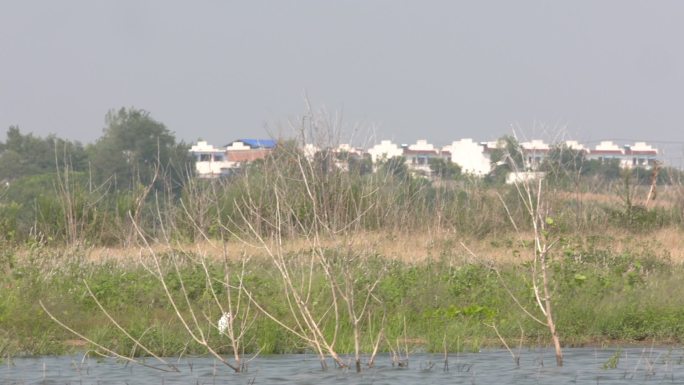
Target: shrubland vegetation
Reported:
point(57, 192)
point(303, 252)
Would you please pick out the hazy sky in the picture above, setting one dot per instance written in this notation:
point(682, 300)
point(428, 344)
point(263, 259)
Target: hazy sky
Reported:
point(440, 70)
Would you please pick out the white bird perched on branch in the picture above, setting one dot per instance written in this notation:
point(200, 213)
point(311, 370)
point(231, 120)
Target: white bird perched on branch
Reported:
point(224, 323)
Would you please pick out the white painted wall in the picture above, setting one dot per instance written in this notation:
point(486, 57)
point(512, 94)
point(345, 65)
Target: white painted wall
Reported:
point(608, 145)
point(238, 146)
point(574, 145)
point(384, 151)
point(470, 156)
point(213, 167)
point(422, 145)
point(642, 146)
point(535, 145)
point(346, 147)
point(203, 146)
point(310, 151)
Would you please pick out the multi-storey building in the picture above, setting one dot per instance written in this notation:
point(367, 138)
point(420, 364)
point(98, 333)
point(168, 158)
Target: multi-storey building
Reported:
point(210, 162)
point(385, 150)
point(418, 156)
point(639, 154)
point(213, 162)
point(474, 158)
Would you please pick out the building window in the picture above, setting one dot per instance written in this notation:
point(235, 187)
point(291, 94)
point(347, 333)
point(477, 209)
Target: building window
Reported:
point(205, 157)
point(218, 158)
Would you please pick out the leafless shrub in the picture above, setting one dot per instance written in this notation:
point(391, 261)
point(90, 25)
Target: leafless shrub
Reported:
point(534, 199)
point(310, 199)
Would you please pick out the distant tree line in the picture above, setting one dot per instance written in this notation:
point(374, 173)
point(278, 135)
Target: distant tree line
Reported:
point(137, 177)
point(133, 149)
point(53, 187)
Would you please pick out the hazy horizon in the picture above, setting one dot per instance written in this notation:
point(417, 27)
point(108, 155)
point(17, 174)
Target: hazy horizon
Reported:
point(435, 70)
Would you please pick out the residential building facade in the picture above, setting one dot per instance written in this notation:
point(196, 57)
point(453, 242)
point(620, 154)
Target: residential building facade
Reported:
point(418, 156)
point(214, 162)
point(473, 157)
point(470, 156)
point(210, 161)
point(384, 151)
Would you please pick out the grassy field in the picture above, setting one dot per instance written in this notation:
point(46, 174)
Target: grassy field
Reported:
point(614, 288)
point(308, 256)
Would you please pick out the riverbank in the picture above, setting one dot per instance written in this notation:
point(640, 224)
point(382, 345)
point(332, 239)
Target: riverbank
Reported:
point(606, 289)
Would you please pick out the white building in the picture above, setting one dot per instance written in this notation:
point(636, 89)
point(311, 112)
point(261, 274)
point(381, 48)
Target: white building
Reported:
point(640, 155)
point(310, 151)
point(347, 148)
point(534, 151)
point(470, 156)
point(418, 156)
point(344, 153)
point(575, 145)
point(210, 161)
point(606, 151)
point(384, 151)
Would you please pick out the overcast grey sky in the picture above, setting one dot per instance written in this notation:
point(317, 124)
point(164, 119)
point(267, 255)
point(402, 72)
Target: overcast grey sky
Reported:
point(440, 70)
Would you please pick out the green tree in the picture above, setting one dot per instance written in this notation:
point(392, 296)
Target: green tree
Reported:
point(357, 164)
point(444, 168)
point(136, 149)
point(564, 165)
point(507, 157)
point(26, 155)
point(395, 166)
point(607, 169)
point(564, 160)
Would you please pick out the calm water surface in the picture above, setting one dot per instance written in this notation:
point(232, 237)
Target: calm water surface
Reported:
point(582, 366)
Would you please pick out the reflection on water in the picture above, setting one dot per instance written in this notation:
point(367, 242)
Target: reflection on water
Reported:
point(582, 366)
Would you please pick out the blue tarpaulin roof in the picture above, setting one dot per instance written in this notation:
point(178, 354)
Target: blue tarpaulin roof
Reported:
point(256, 143)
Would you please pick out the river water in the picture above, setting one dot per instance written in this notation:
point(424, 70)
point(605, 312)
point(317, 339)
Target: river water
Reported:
point(582, 366)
